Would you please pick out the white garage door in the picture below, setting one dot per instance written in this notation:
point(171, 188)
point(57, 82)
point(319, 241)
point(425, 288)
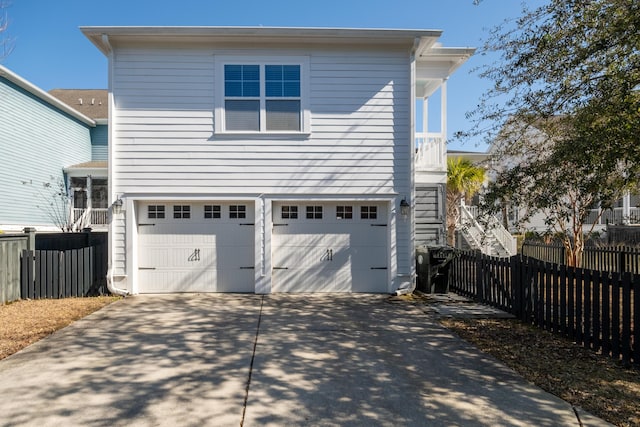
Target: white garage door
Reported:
point(330, 247)
point(196, 247)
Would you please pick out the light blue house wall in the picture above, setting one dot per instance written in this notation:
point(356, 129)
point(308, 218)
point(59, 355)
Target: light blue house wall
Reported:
point(37, 139)
point(99, 141)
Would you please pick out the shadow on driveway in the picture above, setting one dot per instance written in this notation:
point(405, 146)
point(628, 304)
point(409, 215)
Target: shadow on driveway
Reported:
point(188, 360)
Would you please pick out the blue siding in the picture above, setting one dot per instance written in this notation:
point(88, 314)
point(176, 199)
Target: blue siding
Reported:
point(99, 141)
point(36, 141)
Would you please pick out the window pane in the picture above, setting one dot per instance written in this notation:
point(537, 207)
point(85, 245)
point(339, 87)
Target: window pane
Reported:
point(242, 80)
point(282, 80)
point(273, 72)
point(233, 72)
point(274, 89)
point(251, 72)
point(283, 115)
point(242, 115)
point(291, 72)
point(232, 89)
point(251, 89)
point(291, 88)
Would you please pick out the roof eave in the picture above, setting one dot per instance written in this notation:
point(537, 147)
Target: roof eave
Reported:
point(36, 91)
point(338, 35)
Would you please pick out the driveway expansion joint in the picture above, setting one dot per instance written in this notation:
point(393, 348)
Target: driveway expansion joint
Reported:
point(253, 357)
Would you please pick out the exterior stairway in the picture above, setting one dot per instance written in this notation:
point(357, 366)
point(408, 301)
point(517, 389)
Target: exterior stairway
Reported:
point(491, 238)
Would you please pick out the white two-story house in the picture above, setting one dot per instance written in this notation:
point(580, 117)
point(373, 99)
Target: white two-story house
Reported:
point(265, 159)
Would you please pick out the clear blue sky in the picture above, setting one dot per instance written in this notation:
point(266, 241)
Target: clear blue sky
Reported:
point(52, 53)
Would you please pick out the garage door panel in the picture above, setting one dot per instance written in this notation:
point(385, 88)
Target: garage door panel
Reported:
point(196, 255)
point(369, 256)
point(370, 280)
point(234, 257)
point(237, 280)
point(329, 255)
point(159, 281)
point(311, 280)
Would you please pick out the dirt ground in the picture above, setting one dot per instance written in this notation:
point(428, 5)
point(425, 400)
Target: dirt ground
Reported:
point(577, 375)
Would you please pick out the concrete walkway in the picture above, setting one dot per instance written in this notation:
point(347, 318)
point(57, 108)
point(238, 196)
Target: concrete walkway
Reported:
point(217, 360)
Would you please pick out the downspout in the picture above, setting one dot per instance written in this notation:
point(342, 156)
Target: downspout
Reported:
point(110, 283)
point(407, 287)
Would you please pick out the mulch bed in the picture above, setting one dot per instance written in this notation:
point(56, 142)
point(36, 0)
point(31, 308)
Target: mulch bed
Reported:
point(27, 321)
point(579, 376)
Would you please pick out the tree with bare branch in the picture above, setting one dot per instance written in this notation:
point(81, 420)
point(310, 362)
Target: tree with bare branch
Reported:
point(6, 43)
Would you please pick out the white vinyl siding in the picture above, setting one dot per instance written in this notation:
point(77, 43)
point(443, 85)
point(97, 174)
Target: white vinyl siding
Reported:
point(358, 141)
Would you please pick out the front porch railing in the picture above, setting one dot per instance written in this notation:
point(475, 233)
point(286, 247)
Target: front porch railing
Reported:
point(91, 217)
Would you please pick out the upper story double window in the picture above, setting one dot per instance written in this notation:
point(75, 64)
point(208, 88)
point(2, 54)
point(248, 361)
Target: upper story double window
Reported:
point(261, 96)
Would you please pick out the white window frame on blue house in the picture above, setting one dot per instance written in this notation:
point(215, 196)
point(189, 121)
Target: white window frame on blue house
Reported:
point(263, 99)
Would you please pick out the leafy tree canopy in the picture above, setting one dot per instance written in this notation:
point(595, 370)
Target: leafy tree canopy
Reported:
point(563, 112)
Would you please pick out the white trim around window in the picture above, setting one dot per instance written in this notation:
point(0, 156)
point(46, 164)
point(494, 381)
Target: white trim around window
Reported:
point(262, 61)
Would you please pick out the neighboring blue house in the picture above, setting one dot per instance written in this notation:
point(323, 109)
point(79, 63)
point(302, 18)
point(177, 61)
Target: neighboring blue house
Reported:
point(46, 146)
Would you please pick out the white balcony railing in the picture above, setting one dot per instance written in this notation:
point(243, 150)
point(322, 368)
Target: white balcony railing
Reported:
point(83, 217)
point(431, 153)
point(614, 216)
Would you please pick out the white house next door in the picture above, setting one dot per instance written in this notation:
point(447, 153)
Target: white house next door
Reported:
point(196, 247)
point(330, 247)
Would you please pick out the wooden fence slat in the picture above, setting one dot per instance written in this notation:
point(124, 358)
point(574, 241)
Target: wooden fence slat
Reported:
point(579, 305)
point(547, 296)
point(562, 283)
point(615, 317)
point(606, 309)
point(596, 303)
point(626, 319)
point(636, 320)
point(68, 290)
point(587, 289)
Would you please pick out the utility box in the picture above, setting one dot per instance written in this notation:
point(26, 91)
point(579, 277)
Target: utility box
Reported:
point(432, 268)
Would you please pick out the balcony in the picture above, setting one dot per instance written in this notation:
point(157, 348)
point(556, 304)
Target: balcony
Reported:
point(431, 152)
point(96, 218)
point(614, 216)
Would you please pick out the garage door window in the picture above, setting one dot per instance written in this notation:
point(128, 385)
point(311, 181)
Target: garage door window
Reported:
point(182, 211)
point(289, 212)
point(344, 212)
point(211, 211)
point(369, 212)
point(237, 211)
point(314, 212)
point(155, 211)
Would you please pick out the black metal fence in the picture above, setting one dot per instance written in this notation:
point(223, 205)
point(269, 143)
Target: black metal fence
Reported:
point(620, 259)
point(598, 309)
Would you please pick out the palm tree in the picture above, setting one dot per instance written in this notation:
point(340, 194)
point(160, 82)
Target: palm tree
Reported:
point(464, 179)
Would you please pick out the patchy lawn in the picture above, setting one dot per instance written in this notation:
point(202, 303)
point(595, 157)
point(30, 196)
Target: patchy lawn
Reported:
point(27, 321)
point(581, 377)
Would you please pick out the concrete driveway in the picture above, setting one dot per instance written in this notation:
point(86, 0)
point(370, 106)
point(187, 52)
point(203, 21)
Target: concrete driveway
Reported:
point(220, 359)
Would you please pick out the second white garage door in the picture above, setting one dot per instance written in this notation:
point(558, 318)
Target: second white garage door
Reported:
point(196, 247)
point(330, 247)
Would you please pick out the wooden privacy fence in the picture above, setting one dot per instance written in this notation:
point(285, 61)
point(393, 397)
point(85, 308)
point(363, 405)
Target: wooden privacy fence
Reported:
point(599, 310)
point(618, 259)
point(60, 274)
point(10, 248)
